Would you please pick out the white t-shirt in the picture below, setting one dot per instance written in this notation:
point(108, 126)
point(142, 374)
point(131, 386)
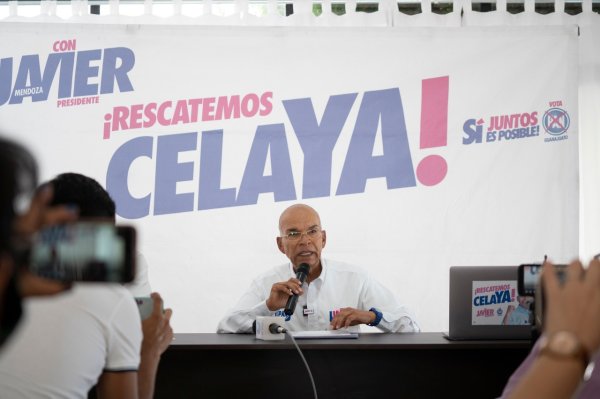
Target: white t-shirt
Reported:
point(65, 342)
point(340, 285)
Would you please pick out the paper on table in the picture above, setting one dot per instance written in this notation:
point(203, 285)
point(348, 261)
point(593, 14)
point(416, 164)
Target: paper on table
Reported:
point(324, 334)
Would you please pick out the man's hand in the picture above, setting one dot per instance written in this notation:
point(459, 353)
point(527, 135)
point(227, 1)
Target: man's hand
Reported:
point(158, 334)
point(280, 292)
point(40, 214)
point(350, 317)
point(509, 310)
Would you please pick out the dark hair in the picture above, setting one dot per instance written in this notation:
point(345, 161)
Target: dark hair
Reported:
point(87, 194)
point(18, 176)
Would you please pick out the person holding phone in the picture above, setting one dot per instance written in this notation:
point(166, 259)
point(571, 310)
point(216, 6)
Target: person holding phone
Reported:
point(18, 178)
point(91, 335)
point(561, 363)
point(94, 202)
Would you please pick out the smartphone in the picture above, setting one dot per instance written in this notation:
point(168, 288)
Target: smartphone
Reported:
point(145, 306)
point(529, 277)
point(85, 251)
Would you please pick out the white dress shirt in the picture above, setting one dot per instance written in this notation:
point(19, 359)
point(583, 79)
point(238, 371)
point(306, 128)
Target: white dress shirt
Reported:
point(340, 285)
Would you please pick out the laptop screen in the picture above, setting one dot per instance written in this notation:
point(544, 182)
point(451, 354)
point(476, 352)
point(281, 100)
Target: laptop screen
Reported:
point(484, 304)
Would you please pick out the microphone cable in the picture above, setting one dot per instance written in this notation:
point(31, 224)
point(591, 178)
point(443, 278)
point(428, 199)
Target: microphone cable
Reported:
point(312, 381)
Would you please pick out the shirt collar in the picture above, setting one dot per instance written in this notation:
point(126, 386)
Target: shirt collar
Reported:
point(321, 278)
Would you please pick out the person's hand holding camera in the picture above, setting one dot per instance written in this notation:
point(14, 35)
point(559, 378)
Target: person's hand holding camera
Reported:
point(574, 306)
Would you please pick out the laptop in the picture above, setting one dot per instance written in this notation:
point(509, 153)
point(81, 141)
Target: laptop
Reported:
point(484, 304)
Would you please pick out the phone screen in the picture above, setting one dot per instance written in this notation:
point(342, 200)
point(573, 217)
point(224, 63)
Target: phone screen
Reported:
point(85, 251)
point(528, 278)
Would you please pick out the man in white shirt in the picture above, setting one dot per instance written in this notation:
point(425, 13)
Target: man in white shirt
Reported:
point(335, 295)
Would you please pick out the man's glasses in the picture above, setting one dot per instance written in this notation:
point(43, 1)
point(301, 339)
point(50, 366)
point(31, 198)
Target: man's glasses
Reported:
point(313, 232)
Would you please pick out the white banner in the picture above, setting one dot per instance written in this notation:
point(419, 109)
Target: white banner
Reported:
point(420, 148)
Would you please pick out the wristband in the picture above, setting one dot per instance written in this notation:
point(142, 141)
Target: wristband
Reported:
point(378, 317)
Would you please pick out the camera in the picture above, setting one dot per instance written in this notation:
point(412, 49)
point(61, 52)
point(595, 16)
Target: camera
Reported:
point(84, 251)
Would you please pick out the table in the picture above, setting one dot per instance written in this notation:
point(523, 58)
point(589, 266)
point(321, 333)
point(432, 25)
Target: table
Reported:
point(421, 365)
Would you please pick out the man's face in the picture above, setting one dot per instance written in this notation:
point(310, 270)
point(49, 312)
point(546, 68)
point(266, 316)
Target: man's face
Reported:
point(307, 248)
point(525, 301)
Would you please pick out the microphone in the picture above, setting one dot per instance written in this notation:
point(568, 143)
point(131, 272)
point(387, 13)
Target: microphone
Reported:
point(275, 328)
point(268, 328)
point(301, 274)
